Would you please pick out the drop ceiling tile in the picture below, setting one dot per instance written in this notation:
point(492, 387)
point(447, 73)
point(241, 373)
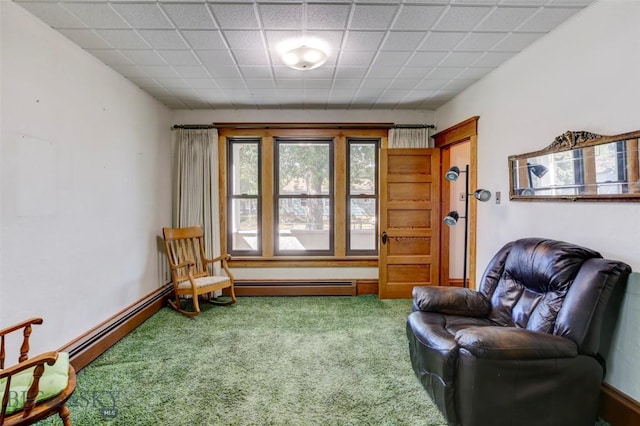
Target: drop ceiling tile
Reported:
point(322, 72)
point(251, 71)
point(351, 72)
point(462, 18)
point(515, 42)
point(243, 39)
point(431, 84)
point(204, 39)
point(275, 38)
point(374, 83)
point(383, 72)
point(142, 15)
point(263, 93)
point(54, 15)
point(223, 72)
point(215, 58)
point(403, 40)
point(160, 71)
point(192, 72)
point(485, 2)
point(403, 83)
point(479, 42)
point(413, 72)
point(149, 84)
point(575, 3)
point(290, 83)
point(123, 39)
point(442, 42)
point(372, 17)
point(110, 56)
point(346, 83)
point(260, 83)
point(363, 40)
point(212, 94)
point(547, 19)
point(232, 84)
point(459, 85)
point(426, 59)
point(362, 58)
point(317, 83)
point(144, 57)
point(174, 84)
point(87, 39)
point(444, 73)
point(97, 15)
point(164, 39)
point(506, 18)
point(235, 16)
point(327, 16)
point(281, 16)
point(189, 15)
point(391, 58)
point(524, 2)
point(417, 17)
point(343, 93)
point(183, 58)
point(201, 83)
point(493, 59)
point(251, 57)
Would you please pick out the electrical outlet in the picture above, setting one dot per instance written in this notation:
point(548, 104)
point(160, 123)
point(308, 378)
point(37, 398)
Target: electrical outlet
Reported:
point(497, 197)
point(461, 196)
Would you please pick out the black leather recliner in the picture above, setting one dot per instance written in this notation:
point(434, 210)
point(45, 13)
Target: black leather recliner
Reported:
point(523, 349)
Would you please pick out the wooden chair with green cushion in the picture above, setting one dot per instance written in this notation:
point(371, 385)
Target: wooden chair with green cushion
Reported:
point(37, 387)
point(190, 271)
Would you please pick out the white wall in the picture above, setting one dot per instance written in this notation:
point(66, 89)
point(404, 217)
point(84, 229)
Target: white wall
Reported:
point(85, 184)
point(582, 76)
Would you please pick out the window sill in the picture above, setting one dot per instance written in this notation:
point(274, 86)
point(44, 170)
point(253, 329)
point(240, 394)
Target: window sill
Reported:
point(305, 261)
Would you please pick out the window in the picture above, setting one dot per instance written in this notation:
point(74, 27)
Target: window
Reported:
point(296, 195)
point(244, 205)
point(362, 196)
point(303, 197)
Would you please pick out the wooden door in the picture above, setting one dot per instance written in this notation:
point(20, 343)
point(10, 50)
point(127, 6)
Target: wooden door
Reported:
point(409, 220)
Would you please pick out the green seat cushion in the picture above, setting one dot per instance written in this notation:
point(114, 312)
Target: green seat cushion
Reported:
point(53, 381)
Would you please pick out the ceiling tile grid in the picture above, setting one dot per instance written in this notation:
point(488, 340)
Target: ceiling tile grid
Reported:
point(382, 54)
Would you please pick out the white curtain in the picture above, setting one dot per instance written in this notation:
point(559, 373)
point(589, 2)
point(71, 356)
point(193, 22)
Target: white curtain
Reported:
point(410, 137)
point(196, 194)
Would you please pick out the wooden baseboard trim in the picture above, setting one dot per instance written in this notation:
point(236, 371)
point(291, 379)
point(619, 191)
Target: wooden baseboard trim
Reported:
point(295, 288)
point(617, 408)
point(366, 287)
point(94, 342)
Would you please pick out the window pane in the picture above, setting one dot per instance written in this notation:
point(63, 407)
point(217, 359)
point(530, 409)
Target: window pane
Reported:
point(244, 224)
point(244, 173)
point(362, 224)
point(558, 169)
point(303, 168)
point(608, 159)
point(362, 168)
point(303, 224)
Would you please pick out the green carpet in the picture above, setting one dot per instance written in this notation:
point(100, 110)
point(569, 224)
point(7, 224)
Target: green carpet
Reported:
point(263, 361)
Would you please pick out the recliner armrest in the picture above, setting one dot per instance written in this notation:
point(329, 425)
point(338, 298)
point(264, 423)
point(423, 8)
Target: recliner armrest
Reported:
point(451, 300)
point(514, 343)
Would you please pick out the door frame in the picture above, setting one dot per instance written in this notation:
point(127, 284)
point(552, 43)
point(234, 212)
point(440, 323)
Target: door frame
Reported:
point(465, 131)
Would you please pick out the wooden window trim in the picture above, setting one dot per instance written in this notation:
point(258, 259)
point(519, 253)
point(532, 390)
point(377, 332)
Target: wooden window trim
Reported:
point(267, 136)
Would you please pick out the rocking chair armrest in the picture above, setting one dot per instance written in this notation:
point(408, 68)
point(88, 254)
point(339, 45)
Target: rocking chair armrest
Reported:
point(222, 258)
point(20, 325)
point(186, 263)
point(47, 357)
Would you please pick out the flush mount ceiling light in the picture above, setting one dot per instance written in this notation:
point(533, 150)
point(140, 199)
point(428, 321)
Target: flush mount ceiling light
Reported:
point(304, 57)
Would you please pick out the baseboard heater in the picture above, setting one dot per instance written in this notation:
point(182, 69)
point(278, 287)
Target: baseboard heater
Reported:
point(296, 288)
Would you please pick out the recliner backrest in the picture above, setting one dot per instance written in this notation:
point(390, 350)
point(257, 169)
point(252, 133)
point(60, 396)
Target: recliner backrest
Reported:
point(528, 279)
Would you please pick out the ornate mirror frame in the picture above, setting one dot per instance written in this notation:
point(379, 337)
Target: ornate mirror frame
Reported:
point(578, 166)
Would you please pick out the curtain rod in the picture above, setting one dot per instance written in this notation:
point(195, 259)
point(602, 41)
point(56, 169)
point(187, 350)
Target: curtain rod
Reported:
point(194, 126)
point(414, 126)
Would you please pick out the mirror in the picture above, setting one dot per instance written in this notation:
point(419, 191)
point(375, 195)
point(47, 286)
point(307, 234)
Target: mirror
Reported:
point(578, 166)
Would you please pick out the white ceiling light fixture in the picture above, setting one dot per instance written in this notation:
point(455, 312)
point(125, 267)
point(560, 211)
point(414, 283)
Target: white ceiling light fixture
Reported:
point(305, 54)
point(304, 58)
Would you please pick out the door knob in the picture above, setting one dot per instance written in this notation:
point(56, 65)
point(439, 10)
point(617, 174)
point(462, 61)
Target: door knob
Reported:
point(384, 237)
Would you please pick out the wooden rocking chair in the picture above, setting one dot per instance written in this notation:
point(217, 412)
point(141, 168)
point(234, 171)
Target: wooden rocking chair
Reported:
point(190, 271)
point(37, 387)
